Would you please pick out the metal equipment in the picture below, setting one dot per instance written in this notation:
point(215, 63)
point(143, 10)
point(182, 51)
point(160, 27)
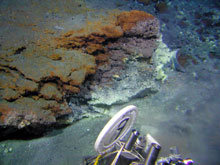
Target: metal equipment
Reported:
point(115, 147)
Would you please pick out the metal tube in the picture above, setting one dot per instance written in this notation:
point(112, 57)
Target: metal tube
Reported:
point(131, 140)
point(153, 154)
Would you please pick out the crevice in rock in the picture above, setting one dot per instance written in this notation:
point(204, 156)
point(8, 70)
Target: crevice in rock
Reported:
point(30, 93)
point(19, 50)
point(16, 71)
point(27, 133)
point(53, 79)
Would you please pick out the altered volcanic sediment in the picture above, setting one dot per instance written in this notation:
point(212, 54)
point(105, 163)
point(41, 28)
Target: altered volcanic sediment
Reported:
point(35, 80)
point(114, 39)
point(33, 86)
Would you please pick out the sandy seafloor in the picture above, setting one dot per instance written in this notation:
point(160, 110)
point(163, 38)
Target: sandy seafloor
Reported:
point(184, 113)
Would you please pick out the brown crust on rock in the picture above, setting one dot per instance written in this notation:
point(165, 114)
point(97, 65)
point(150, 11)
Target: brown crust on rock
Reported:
point(126, 20)
point(35, 79)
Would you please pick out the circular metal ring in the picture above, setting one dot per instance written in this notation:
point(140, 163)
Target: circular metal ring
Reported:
point(117, 127)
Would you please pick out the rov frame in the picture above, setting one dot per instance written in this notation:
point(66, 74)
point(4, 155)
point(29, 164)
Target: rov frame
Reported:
point(115, 147)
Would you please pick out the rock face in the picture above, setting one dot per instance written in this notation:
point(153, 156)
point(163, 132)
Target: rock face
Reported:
point(114, 39)
point(33, 85)
point(35, 81)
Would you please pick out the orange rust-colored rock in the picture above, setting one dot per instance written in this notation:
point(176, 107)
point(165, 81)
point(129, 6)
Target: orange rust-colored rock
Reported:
point(50, 92)
point(32, 90)
point(126, 20)
point(92, 37)
point(71, 89)
point(129, 32)
point(24, 86)
point(10, 94)
point(4, 110)
point(55, 57)
point(35, 78)
point(26, 112)
point(102, 58)
point(111, 31)
point(91, 48)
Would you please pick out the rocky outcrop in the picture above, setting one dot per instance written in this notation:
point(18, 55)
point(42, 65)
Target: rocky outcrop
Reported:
point(35, 80)
point(123, 47)
point(114, 39)
point(33, 85)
